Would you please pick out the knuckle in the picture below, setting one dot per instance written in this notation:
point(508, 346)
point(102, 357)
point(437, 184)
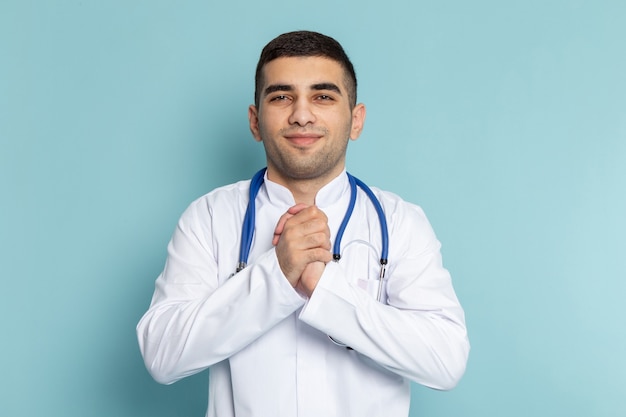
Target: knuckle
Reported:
point(317, 212)
point(319, 239)
point(322, 255)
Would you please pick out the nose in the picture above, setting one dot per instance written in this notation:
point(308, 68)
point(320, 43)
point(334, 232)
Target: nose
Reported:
point(302, 113)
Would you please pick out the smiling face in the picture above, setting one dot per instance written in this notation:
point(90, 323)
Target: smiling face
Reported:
point(304, 119)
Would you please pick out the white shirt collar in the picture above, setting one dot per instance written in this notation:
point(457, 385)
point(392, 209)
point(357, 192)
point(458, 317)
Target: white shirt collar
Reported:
point(326, 196)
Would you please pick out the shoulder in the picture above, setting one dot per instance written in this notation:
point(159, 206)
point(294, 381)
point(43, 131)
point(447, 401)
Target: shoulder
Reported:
point(228, 198)
point(395, 206)
point(407, 221)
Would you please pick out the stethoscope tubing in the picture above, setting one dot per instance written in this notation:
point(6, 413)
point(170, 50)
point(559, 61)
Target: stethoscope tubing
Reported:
point(247, 232)
point(381, 217)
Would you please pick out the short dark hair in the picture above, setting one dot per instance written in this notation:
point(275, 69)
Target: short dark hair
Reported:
point(305, 44)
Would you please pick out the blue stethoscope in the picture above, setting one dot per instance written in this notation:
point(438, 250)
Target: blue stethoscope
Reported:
point(247, 232)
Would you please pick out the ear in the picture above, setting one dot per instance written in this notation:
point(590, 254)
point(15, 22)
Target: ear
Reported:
point(358, 119)
point(253, 118)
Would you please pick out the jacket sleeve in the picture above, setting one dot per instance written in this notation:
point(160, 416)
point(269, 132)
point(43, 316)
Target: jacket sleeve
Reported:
point(194, 320)
point(419, 332)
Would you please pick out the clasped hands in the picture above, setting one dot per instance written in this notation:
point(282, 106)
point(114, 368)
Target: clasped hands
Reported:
point(302, 240)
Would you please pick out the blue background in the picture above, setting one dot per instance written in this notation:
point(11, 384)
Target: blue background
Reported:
point(505, 121)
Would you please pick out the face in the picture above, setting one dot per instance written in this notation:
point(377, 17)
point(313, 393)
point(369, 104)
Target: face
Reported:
point(304, 119)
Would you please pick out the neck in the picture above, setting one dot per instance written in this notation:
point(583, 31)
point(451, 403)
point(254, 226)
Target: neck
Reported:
point(304, 191)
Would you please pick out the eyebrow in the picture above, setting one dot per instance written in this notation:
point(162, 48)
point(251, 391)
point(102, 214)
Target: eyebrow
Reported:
point(317, 87)
point(326, 86)
point(277, 87)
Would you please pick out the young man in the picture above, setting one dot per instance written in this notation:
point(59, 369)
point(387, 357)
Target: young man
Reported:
point(296, 333)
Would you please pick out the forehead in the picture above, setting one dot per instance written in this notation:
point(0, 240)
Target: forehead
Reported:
point(303, 71)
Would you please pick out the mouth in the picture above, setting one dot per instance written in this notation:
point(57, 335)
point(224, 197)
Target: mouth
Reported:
point(303, 139)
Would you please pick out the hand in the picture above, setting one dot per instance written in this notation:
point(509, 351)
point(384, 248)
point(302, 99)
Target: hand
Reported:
point(302, 240)
point(310, 277)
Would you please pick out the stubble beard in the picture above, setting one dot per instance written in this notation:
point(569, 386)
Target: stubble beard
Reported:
point(296, 164)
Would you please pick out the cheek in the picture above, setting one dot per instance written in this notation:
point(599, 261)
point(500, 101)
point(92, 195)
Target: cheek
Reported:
point(269, 123)
point(342, 125)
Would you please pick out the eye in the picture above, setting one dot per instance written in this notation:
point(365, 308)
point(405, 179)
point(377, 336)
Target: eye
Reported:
point(325, 99)
point(281, 97)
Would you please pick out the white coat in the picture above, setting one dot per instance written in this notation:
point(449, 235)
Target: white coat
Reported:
point(268, 347)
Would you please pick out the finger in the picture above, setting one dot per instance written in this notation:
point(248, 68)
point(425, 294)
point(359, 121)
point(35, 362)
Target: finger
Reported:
point(319, 239)
point(292, 211)
point(297, 208)
point(280, 226)
point(310, 233)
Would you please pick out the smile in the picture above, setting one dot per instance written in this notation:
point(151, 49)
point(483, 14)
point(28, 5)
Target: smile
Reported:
point(303, 139)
